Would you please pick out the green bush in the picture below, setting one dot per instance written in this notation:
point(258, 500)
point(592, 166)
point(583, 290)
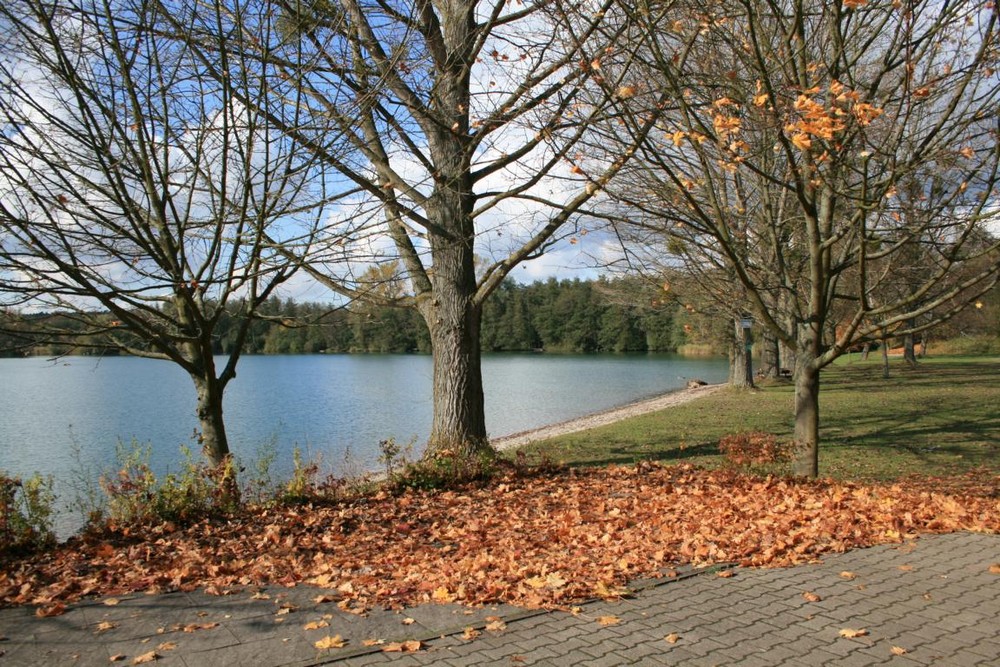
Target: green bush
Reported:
point(136, 497)
point(25, 514)
point(443, 469)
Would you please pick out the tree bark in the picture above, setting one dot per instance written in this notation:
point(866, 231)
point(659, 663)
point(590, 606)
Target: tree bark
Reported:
point(459, 422)
point(769, 355)
point(909, 350)
point(740, 373)
point(805, 460)
point(214, 442)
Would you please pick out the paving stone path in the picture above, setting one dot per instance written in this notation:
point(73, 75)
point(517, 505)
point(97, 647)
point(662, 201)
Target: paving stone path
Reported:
point(933, 601)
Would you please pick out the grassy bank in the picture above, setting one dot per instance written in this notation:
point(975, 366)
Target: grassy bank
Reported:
point(940, 418)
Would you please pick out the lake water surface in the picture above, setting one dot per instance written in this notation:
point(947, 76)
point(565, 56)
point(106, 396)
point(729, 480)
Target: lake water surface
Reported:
point(327, 405)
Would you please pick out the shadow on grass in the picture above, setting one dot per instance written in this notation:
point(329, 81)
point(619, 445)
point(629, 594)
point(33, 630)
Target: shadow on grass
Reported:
point(616, 454)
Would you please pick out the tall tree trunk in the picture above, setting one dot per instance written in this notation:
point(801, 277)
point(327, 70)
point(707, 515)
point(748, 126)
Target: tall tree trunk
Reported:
point(805, 455)
point(214, 443)
point(769, 355)
point(459, 422)
point(885, 356)
point(453, 317)
point(740, 374)
point(909, 350)
point(805, 460)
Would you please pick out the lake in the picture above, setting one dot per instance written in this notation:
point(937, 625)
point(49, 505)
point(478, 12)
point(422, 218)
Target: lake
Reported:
point(334, 406)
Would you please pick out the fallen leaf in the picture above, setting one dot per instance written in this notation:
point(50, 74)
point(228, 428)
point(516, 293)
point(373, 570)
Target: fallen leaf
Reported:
point(672, 638)
point(470, 633)
point(847, 575)
point(323, 599)
point(906, 568)
point(725, 574)
point(442, 594)
point(995, 568)
point(608, 620)
point(851, 633)
point(57, 609)
point(260, 596)
point(195, 627)
point(117, 657)
point(152, 656)
point(898, 650)
point(496, 625)
point(328, 642)
point(167, 646)
point(809, 596)
point(104, 626)
point(315, 625)
point(408, 621)
point(111, 602)
point(403, 647)
point(372, 642)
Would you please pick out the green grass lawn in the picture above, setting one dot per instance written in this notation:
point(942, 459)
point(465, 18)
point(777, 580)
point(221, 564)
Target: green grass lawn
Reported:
point(940, 418)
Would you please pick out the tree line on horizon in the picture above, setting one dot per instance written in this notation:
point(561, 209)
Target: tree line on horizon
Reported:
point(558, 316)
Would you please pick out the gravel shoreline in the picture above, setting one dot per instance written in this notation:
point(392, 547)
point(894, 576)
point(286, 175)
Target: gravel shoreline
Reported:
point(605, 417)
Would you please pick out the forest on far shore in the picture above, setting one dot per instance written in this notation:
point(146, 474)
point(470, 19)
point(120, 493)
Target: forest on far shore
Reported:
point(566, 316)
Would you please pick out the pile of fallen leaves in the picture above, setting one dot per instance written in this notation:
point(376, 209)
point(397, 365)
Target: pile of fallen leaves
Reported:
point(532, 540)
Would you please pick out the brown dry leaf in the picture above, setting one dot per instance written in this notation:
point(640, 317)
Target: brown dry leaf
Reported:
point(152, 656)
point(995, 568)
point(111, 602)
point(608, 620)
point(725, 574)
point(330, 642)
point(104, 626)
point(403, 647)
point(496, 625)
point(57, 609)
point(851, 633)
point(442, 594)
point(322, 599)
point(408, 621)
point(906, 568)
point(847, 575)
point(259, 595)
point(195, 627)
point(167, 646)
point(315, 625)
point(117, 657)
point(470, 633)
point(576, 611)
point(898, 650)
point(809, 596)
point(672, 638)
point(372, 642)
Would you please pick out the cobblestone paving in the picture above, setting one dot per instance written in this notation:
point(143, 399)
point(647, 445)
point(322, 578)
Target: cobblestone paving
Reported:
point(933, 601)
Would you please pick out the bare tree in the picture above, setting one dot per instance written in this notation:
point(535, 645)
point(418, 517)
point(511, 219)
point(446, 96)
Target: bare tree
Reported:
point(139, 195)
point(464, 118)
point(797, 126)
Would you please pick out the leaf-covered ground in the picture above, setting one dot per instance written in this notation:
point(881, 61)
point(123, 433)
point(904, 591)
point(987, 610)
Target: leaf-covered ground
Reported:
point(533, 540)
